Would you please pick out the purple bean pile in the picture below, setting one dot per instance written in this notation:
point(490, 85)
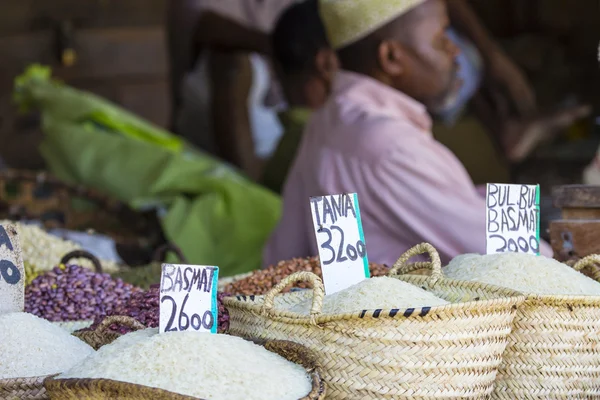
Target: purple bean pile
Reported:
point(144, 307)
point(73, 293)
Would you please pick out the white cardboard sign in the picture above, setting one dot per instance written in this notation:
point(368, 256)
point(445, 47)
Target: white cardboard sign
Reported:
point(12, 272)
point(188, 298)
point(341, 241)
point(513, 219)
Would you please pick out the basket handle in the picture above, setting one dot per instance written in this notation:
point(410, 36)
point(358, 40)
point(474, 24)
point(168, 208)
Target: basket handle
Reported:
point(401, 267)
point(302, 276)
point(161, 253)
point(129, 322)
point(589, 261)
point(82, 254)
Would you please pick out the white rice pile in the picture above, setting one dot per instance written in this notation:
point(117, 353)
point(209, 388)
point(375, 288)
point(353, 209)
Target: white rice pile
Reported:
point(525, 273)
point(373, 294)
point(31, 346)
point(197, 364)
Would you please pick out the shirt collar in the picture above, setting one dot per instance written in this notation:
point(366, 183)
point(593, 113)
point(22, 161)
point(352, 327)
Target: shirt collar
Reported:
point(384, 98)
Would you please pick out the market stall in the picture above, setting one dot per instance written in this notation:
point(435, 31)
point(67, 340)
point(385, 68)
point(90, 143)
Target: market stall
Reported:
point(174, 305)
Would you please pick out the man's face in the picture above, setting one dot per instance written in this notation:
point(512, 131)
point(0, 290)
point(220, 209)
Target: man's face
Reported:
point(431, 68)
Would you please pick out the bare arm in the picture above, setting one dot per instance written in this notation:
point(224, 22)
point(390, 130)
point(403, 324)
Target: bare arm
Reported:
point(503, 73)
point(231, 80)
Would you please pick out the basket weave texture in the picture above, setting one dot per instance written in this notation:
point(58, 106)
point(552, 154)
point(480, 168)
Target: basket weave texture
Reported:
point(104, 389)
point(23, 388)
point(554, 349)
point(448, 352)
point(103, 335)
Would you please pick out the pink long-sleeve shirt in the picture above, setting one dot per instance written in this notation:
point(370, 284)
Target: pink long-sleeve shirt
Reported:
point(373, 140)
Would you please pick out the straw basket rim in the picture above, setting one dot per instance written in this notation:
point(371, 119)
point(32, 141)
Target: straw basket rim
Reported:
point(506, 297)
point(253, 304)
point(559, 299)
point(286, 349)
point(102, 334)
point(27, 387)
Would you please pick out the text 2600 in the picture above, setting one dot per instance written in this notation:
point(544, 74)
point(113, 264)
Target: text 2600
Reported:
point(343, 251)
point(184, 321)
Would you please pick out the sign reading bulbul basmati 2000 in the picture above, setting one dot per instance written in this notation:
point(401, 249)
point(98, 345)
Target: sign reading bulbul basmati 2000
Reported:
point(341, 241)
point(12, 273)
point(513, 219)
point(188, 298)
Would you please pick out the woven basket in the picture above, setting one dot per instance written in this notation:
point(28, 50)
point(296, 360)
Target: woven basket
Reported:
point(104, 389)
point(103, 335)
point(448, 352)
point(23, 388)
point(554, 349)
point(57, 204)
point(589, 266)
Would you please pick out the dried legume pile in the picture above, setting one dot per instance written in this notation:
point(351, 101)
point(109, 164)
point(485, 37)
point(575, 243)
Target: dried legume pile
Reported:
point(31, 346)
point(74, 293)
point(526, 273)
point(199, 365)
point(372, 294)
point(42, 251)
point(261, 281)
point(144, 307)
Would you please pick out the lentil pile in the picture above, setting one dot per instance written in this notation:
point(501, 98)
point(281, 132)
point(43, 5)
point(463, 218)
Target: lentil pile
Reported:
point(41, 251)
point(74, 293)
point(261, 281)
point(199, 365)
point(31, 346)
point(144, 307)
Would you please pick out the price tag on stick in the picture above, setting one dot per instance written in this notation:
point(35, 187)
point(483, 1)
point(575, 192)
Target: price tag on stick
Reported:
point(12, 272)
point(188, 298)
point(341, 241)
point(513, 219)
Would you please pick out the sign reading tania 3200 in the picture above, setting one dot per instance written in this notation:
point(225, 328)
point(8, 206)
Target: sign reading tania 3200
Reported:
point(341, 241)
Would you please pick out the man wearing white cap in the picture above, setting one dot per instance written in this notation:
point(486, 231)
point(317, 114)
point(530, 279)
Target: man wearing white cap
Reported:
point(374, 137)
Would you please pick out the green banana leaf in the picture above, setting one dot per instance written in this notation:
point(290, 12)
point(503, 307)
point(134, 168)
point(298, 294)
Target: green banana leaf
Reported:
point(213, 213)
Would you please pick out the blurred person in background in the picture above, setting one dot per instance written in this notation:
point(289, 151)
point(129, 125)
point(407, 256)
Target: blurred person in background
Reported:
point(500, 93)
point(223, 30)
point(502, 97)
point(373, 136)
point(306, 66)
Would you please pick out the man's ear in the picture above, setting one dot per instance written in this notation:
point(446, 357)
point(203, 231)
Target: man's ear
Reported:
point(391, 58)
point(327, 63)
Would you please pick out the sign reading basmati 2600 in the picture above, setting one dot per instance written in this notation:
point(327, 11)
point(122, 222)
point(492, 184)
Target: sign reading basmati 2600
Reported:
point(513, 219)
point(188, 298)
point(12, 273)
point(341, 241)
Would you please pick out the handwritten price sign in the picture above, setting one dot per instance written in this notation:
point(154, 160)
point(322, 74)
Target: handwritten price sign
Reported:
point(513, 219)
point(188, 298)
point(339, 233)
point(12, 273)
